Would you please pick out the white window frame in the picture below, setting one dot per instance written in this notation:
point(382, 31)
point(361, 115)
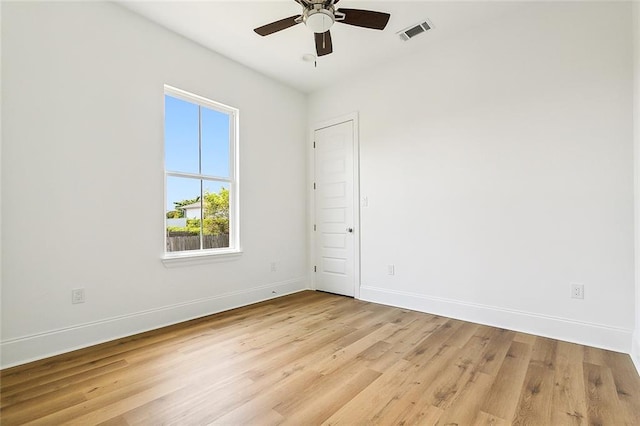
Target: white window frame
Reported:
point(234, 249)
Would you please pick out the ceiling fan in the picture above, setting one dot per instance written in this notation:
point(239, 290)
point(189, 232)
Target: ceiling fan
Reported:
point(320, 15)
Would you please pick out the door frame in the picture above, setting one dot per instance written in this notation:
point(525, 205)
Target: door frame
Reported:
point(356, 196)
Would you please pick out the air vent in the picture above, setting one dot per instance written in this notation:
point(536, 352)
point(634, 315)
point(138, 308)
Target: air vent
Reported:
point(414, 30)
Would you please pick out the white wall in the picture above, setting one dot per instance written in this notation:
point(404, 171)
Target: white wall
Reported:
point(635, 353)
point(82, 115)
point(1, 136)
point(498, 167)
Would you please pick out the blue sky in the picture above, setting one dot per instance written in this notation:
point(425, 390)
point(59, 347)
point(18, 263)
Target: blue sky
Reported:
point(181, 148)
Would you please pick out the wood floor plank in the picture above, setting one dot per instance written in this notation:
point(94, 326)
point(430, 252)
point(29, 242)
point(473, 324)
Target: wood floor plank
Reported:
point(485, 419)
point(465, 408)
point(317, 358)
point(366, 405)
point(594, 356)
point(627, 388)
point(405, 339)
point(537, 389)
point(39, 407)
point(48, 388)
point(433, 341)
point(116, 421)
point(430, 381)
point(499, 343)
point(502, 400)
point(603, 406)
point(456, 380)
point(428, 415)
point(325, 398)
point(181, 404)
point(250, 408)
point(343, 355)
point(569, 406)
point(529, 339)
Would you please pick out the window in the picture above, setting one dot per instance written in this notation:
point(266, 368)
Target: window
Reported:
point(201, 175)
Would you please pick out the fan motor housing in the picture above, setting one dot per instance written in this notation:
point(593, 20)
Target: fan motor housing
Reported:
point(319, 20)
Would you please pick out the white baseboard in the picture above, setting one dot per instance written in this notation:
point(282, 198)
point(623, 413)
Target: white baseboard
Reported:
point(590, 334)
point(42, 345)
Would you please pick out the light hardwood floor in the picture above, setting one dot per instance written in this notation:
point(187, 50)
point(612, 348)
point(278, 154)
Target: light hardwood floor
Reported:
point(314, 358)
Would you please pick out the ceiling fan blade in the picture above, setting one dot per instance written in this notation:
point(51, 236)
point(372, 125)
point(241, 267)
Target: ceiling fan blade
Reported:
point(365, 18)
point(276, 26)
point(323, 43)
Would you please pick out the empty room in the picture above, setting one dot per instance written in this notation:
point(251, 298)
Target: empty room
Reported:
point(320, 212)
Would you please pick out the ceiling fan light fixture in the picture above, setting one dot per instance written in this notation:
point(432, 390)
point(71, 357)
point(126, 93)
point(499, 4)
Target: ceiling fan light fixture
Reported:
point(320, 15)
point(319, 21)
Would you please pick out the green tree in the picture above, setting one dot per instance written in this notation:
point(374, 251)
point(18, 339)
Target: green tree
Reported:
point(216, 212)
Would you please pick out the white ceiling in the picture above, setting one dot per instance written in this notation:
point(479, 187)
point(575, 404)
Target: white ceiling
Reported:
point(227, 28)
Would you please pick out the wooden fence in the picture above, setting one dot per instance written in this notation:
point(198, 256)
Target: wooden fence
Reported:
point(192, 242)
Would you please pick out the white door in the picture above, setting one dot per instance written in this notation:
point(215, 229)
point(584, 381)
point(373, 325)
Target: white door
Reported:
point(335, 233)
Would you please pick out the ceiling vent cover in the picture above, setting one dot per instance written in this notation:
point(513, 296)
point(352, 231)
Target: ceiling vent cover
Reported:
point(414, 30)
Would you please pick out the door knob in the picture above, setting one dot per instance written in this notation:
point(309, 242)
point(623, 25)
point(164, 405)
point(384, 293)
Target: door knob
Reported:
point(349, 230)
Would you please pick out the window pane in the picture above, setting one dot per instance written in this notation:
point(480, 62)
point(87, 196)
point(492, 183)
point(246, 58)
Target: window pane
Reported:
point(199, 172)
point(215, 142)
point(216, 215)
point(181, 135)
point(184, 211)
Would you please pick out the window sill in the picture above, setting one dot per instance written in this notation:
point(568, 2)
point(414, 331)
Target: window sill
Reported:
point(187, 259)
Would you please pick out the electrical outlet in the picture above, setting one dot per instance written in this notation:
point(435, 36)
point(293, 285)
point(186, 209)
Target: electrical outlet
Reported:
point(391, 269)
point(577, 291)
point(77, 295)
point(274, 266)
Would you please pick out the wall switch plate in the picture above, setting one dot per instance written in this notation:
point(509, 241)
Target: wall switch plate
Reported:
point(577, 291)
point(77, 295)
point(391, 269)
point(274, 266)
